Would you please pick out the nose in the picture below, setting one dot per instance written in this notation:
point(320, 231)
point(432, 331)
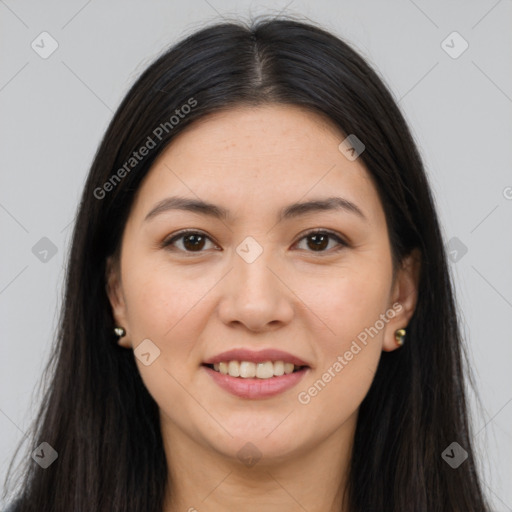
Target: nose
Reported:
point(254, 295)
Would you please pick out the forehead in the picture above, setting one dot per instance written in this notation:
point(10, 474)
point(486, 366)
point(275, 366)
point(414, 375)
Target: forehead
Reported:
point(275, 134)
point(260, 158)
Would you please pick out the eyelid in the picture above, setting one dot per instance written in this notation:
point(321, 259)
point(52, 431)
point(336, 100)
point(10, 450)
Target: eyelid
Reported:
point(338, 237)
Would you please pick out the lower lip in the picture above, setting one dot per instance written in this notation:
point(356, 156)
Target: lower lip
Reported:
point(256, 388)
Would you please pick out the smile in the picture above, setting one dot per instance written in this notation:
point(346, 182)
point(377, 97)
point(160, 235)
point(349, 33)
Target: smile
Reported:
point(250, 370)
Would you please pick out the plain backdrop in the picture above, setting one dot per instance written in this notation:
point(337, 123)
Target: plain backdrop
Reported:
point(457, 100)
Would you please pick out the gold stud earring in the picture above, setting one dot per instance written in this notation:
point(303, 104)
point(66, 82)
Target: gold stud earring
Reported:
point(399, 337)
point(119, 331)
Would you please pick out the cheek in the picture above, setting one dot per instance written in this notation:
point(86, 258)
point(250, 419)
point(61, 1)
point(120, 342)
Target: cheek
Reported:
point(347, 303)
point(169, 306)
point(164, 305)
point(159, 297)
point(350, 306)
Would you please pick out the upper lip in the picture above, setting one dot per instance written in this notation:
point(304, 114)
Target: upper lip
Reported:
point(270, 354)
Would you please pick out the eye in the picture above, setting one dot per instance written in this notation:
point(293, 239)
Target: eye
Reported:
point(318, 241)
point(191, 241)
point(195, 241)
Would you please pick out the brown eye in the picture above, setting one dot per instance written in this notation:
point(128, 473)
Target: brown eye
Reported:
point(190, 241)
point(193, 242)
point(318, 241)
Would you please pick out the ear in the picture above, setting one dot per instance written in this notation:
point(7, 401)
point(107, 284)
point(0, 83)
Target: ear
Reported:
point(404, 297)
point(115, 295)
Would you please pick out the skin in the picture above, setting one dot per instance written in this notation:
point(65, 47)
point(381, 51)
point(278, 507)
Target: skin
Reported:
point(193, 305)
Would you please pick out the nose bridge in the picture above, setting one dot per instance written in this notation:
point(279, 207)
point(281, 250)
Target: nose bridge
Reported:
point(252, 262)
point(254, 296)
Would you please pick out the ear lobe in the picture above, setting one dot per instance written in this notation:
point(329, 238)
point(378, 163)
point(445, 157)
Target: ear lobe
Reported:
point(405, 293)
point(115, 296)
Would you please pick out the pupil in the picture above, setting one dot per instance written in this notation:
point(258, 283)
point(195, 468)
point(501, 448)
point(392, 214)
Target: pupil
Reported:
point(197, 241)
point(319, 244)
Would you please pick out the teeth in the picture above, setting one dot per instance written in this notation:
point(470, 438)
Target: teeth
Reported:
point(279, 368)
point(248, 370)
point(288, 367)
point(265, 370)
point(234, 368)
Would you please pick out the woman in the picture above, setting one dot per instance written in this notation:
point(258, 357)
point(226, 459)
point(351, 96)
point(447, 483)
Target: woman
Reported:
point(258, 310)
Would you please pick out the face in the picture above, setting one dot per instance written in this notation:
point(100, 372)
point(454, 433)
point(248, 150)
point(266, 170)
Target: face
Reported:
point(313, 282)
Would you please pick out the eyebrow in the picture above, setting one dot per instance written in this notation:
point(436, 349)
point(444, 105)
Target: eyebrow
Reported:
point(291, 211)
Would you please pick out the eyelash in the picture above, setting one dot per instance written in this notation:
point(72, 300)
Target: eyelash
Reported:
point(342, 244)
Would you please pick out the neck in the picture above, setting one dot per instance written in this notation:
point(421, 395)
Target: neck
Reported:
point(204, 480)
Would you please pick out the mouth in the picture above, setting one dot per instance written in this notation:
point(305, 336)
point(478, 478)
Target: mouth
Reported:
point(250, 370)
point(251, 374)
point(255, 381)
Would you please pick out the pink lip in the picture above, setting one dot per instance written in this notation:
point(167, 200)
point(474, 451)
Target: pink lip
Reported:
point(256, 388)
point(261, 356)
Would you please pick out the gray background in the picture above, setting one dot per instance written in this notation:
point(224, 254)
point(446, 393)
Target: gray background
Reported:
point(55, 110)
